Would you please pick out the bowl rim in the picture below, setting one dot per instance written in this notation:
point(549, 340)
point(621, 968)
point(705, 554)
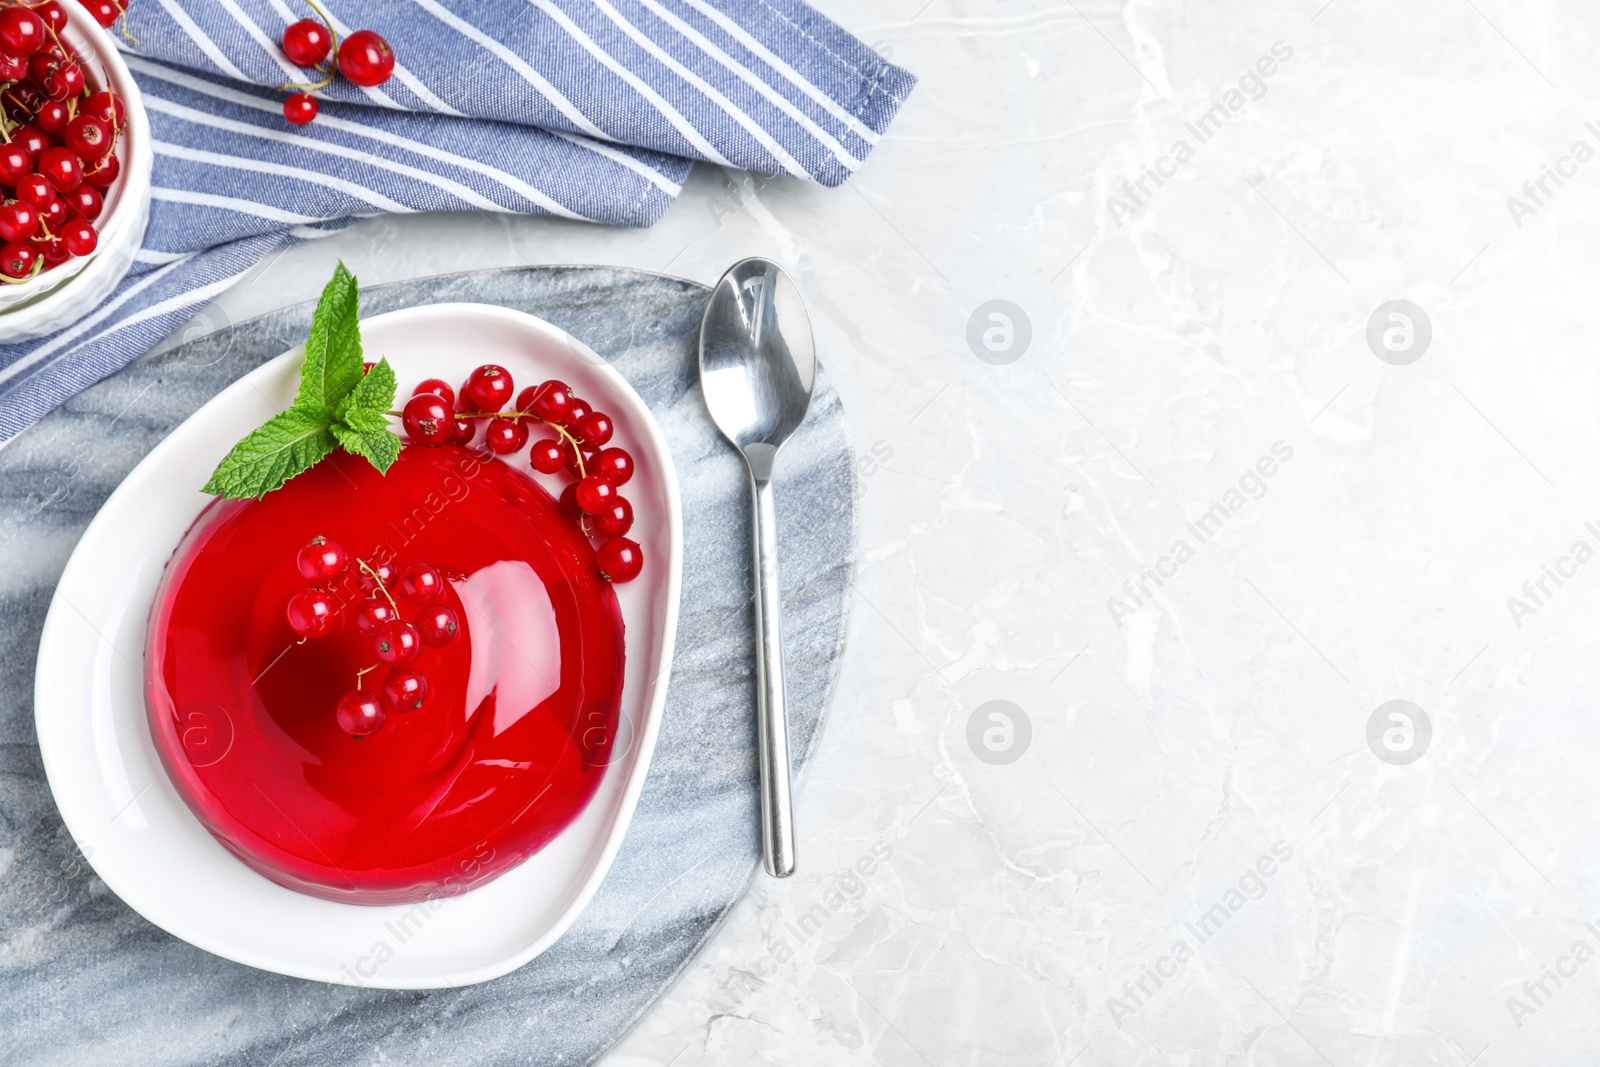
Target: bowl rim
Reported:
point(125, 194)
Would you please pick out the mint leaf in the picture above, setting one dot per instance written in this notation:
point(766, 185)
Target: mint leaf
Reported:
point(332, 367)
point(274, 452)
point(380, 449)
point(364, 420)
point(375, 392)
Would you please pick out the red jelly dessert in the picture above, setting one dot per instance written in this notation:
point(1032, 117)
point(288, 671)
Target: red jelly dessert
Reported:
point(490, 736)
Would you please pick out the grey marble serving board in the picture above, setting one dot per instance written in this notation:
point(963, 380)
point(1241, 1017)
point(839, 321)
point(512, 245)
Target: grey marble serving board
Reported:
point(85, 980)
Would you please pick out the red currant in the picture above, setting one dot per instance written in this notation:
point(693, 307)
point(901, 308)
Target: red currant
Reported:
point(54, 214)
point(463, 431)
point(312, 613)
point(52, 117)
point(36, 191)
point(18, 261)
point(437, 386)
point(552, 402)
point(505, 436)
point(421, 583)
point(300, 109)
point(22, 33)
point(61, 167)
point(85, 202)
point(594, 429)
point(105, 106)
point(428, 420)
point(53, 16)
point(405, 690)
point(322, 560)
point(616, 519)
point(88, 137)
point(546, 456)
point(103, 175)
point(52, 249)
point(615, 464)
point(307, 43)
point(374, 575)
point(525, 399)
point(398, 642)
point(12, 68)
point(577, 412)
point(487, 389)
point(594, 493)
point(372, 613)
point(360, 714)
point(569, 459)
point(569, 502)
point(80, 237)
point(18, 222)
point(59, 80)
point(438, 626)
point(366, 59)
point(15, 164)
point(619, 559)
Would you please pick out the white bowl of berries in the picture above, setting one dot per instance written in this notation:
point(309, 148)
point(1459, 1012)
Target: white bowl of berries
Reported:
point(75, 167)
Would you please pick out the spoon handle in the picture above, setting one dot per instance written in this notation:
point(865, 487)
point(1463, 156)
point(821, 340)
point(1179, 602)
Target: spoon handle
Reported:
point(777, 811)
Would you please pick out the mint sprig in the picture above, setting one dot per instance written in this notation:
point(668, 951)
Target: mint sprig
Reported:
point(337, 406)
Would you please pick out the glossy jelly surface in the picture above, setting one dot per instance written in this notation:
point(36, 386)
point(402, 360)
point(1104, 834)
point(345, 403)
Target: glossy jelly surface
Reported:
point(516, 732)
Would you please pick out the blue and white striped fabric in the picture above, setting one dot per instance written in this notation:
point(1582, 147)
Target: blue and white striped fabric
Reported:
point(581, 109)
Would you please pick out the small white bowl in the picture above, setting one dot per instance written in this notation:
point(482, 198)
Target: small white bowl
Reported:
point(56, 298)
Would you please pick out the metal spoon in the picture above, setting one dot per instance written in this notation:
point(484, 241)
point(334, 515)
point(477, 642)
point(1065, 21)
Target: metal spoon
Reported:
point(757, 364)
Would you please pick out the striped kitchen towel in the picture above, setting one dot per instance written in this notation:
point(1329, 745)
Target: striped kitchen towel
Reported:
point(582, 109)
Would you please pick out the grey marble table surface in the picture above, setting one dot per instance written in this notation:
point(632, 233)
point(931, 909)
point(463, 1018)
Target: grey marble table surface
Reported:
point(85, 980)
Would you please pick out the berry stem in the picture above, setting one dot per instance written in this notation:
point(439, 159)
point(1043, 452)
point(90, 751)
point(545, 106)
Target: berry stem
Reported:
point(363, 673)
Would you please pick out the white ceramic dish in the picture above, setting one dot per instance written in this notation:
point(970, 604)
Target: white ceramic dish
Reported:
point(58, 297)
point(137, 832)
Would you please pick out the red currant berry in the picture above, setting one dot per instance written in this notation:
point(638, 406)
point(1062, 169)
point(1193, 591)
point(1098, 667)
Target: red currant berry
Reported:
point(85, 202)
point(18, 222)
point(488, 388)
point(54, 214)
point(569, 459)
point(104, 174)
point(322, 560)
point(525, 399)
point(15, 164)
point(104, 12)
point(463, 430)
point(619, 559)
point(18, 261)
point(577, 412)
point(307, 43)
point(22, 33)
point(88, 138)
point(437, 386)
point(35, 191)
point(594, 493)
point(59, 80)
point(61, 167)
point(360, 714)
point(505, 436)
point(300, 109)
point(405, 690)
point(616, 519)
point(366, 59)
point(52, 117)
point(80, 237)
point(546, 456)
point(52, 249)
point(615, 464)
point(438, 626)
point(312, 613)
point(428, 420)
point(569, 502)
point(552, 402)
point(12, 68)
point(371, 614)
point(31, 139)
point(594, 429)
point(421, 583)
point(398, 642)
point(374, 575)
point(105, 106)
point(53, 16)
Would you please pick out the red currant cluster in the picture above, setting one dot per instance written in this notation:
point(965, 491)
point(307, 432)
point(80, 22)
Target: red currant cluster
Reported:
point(364, 57)
point(58, 154)
point(396, 641)
point(593, 499)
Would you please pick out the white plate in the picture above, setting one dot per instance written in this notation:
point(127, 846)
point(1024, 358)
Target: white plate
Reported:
point(137, 832)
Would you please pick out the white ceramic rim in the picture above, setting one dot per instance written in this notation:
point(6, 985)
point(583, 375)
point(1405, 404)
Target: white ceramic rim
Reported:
point(73, 647)
point(127, 195)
